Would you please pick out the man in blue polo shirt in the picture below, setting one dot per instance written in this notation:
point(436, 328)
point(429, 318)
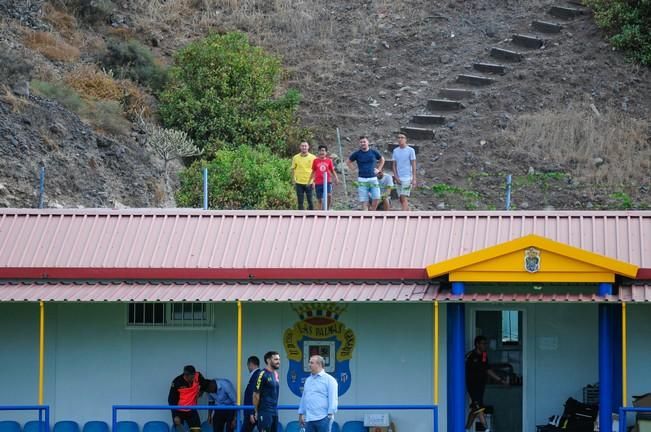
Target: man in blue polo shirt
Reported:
point(369, 163)
point(265, 395)
point(320, 397)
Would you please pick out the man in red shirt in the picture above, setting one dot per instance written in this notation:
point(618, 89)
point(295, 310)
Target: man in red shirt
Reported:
point(323, 164)
point(186, 389)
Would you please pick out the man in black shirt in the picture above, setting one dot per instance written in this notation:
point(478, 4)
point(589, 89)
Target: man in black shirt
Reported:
point(185, 390)
point(253, 364)
point(265, 395)
point(477, 373)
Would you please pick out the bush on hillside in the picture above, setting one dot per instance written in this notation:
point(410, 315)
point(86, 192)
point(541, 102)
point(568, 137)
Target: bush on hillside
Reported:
point(629, 23)
point(221, 92)
point(135, 61)
point(91, 11)
point(239, 178)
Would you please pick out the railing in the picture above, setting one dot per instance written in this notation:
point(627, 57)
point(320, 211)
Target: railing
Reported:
point(43, 411)
point(622, 415)
point(116, 408)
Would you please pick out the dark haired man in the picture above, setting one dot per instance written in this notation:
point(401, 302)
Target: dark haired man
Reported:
point(185, 390)
point(253, 364)
point(477, 373)
point(301, 170)
point(265, 396)
point(369, 163)
point(404, 169)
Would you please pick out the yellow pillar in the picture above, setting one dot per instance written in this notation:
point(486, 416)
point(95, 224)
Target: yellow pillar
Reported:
point(239, 352)
point(624, 357)
point(41, 354)
point(436, 352)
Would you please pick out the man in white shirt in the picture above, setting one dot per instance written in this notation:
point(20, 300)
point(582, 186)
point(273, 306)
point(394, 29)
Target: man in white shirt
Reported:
point(404, 169)
point(320, 398)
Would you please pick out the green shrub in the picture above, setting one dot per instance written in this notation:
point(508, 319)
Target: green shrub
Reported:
point(60, 92)
point(106, 115)
point(221, 92)
point(91, 11)
point(239, 178)
point(135, 61)
point(629, 25)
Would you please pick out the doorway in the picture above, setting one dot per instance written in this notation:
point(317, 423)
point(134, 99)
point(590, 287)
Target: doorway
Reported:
point(504, 331)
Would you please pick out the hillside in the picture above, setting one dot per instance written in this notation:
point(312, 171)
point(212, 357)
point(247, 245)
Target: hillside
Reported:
point(568, 117)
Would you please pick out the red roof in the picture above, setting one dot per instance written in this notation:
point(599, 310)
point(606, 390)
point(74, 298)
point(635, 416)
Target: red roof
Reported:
point(187, 240)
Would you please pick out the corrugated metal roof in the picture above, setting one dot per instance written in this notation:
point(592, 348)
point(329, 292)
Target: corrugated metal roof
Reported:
point(108, 291)
point(264, 239)
point(216, 292)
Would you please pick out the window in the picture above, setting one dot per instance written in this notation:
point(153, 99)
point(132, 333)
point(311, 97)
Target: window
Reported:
point(510, 327)
point(169, 315)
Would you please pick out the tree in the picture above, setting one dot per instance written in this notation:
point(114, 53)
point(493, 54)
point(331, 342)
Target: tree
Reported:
point(240, 178)
point(221, 92)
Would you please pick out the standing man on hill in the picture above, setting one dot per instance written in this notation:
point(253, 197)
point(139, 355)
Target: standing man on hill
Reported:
point(253, 364)
point(265, 395)
point(323, 165)
point(369, 163)
point(185, 390)
point(301, 171)
point(404, 170)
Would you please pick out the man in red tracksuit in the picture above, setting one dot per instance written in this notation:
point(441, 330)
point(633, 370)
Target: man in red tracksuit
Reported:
point(186, 389)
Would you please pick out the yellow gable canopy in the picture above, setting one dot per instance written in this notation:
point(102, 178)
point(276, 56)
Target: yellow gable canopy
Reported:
point(532, 259)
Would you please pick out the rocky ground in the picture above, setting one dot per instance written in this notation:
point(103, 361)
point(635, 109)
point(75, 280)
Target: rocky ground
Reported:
point(365, 67)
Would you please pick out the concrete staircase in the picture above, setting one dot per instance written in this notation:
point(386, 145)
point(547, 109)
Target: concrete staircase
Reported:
point(451, 102)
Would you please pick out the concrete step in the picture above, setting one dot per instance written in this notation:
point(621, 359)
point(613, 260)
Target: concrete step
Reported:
point(565, 12)
point(505, 54)
point(428, 119)
point(474, 80)
point(392, 146)
point(444, 105)
point(490, 68)
point(456, 93)
point(575, 2)
point(546, 26)
point(527, 41)
point(417, 133)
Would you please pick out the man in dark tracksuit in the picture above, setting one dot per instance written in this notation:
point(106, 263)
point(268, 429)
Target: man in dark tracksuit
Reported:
point(265, 396)
point(185, 390)
point(253, 364)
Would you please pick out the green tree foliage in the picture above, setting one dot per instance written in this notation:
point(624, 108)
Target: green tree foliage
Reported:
point(239, 178)
point(221, 92)
point(135, 61)
point(629, 23)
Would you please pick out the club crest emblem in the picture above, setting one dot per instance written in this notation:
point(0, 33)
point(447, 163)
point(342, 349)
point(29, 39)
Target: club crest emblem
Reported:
point(319, 332)
point(532, 260)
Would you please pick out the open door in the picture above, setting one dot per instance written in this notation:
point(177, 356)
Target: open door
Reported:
point(505, 334)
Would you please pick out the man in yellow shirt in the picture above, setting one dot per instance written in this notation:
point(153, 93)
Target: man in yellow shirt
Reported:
point(301, 172)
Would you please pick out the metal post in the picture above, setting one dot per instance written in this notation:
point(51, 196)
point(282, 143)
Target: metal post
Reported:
point(508, 192)
point(41, 187)
point(605, 368)
point(205, 188)
point(616, 354)
point(343, 170)
point(325, 190)
point(624, 360)
point(41, 354)
point(47, 419)
point(436, 352)
point(456, 367)
point(239, 362)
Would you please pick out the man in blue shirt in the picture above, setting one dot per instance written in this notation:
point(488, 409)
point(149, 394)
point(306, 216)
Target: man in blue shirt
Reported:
point(320, 398)
point(221, 392)
point(369, 163)
point(253, 364)
point(265, 395)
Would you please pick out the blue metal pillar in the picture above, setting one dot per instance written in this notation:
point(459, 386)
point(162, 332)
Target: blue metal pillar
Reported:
point(605, 361)
point(456, 363)
point(616, 314)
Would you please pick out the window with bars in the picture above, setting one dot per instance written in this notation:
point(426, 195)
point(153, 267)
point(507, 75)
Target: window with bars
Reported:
point(169, 315)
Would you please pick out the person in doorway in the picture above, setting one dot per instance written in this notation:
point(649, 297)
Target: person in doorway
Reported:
point(477, 373)
point(319, 401)
point(253, 364)
point(221, 392)
point(301, 171)
point(320, 166)
point(369, 163)
point(185, 390)
point(404, 170)
point(265, 395)
point(386, 186)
